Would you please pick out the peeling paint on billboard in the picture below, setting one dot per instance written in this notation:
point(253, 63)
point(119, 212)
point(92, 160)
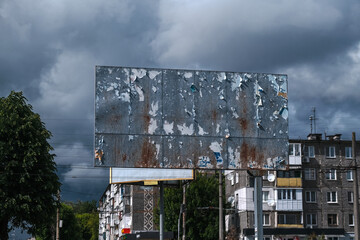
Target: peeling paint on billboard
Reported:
point(166, 118)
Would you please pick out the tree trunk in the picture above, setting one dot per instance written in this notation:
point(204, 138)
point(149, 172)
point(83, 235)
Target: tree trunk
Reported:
point(4, 230)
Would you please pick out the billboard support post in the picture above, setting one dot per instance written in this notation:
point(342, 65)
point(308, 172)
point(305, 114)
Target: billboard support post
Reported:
point(258, 208)
point(161, 210)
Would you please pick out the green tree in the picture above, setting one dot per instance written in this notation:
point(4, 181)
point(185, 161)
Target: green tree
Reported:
point(28, 180)
point(202, 201)
point(89, 225)
point(70, 228)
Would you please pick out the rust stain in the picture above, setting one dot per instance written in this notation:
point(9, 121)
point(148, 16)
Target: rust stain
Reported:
point(214, 115)
point(250, 154)
point(148, 156)
point(244, 124)
point(282, 94)
point(124, 157)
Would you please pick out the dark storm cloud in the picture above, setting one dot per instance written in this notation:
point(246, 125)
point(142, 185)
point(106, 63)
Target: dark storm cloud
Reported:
point(49, 50)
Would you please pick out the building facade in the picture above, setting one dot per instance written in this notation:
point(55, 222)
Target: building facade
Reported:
point(125, 209)
point(313, 198)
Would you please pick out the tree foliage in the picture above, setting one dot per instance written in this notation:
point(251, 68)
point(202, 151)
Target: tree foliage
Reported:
point(28, 180)
point(202, 201)
point(80, 221)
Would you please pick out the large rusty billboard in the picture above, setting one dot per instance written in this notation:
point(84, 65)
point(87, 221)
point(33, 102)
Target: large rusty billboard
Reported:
point(166, 118)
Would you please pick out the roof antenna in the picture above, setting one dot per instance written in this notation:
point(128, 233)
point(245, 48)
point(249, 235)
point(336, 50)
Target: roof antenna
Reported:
point(314, 110)
point(311, 120)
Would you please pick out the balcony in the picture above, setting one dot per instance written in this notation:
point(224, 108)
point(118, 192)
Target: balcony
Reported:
point(289, 205)
point(289, 182)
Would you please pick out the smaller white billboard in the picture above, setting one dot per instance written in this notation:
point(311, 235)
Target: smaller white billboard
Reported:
point(133, 175)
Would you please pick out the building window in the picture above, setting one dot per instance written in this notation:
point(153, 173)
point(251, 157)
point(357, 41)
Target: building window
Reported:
point(332, 219)
point(351, 219)
point(333, 238)
point(311, 151)
point(266, 219)
point(294, 149)
point(349, 175)
point(288, 219)
point(330, 152)
point(310, 197)
point(286, 194)
point(310, 174)
point(331, 174)
point(311, 219)
point(350, 197)
point(265, 196)
point(348, 152)
point(331, 197)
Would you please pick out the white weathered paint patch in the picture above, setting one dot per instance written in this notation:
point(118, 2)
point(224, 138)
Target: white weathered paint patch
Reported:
point(221, 76)
point(140, 92)
point(237, 83)
point(186, 130)
point(131, 137)
point(157, 150)
point(168, 127)
point(152, 126)
point(125, 97)
point(217, 128)
point(153, 74)
point(112, 86)
point(170, 146)
point(154, 89)
point(117, 93)
point(235, 115)
point(154, 109)
point(188, 75)
point(284, 113)
point(215, 147)
point(201, 131)
point(138, 73)
point(110, 70)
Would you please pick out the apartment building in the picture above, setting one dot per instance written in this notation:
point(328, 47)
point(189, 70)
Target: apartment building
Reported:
point(313, 198)
point(126, 209)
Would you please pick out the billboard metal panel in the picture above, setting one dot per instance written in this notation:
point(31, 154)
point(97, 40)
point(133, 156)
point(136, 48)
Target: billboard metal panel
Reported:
point(166, 118)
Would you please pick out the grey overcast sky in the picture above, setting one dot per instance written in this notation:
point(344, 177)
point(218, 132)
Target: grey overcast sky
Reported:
point(49, 49)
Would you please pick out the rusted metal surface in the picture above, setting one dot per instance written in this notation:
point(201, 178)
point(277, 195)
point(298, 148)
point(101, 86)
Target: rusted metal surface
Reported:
point(165, 118)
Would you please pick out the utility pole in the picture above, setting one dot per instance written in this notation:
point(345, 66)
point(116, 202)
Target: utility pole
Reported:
point(221, 214)
point(184, 213)
point(356, 189)
point(58, 218)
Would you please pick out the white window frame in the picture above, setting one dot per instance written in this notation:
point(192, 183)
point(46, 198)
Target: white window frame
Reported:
point(331, 174)
point(266, 215)
point(311, 217)
point(348, 152)
point(236, 177)
point(294, 149)
point(351, 217)
point(311, 195)
point(331, 197)
point(330, 152)
point(311, 151)
point(349, 175)
point(309, 174)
